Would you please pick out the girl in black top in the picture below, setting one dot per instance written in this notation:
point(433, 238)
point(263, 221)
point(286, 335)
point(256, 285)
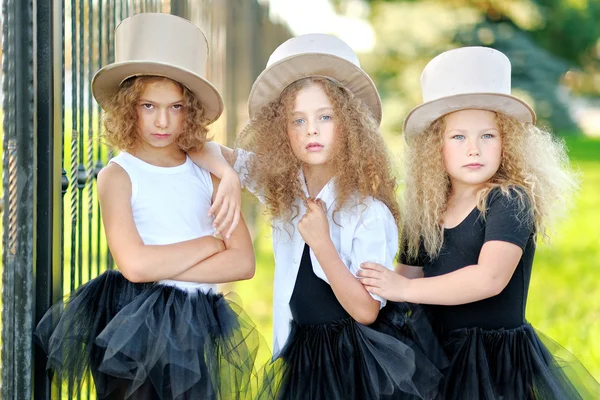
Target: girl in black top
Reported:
point(482, 183)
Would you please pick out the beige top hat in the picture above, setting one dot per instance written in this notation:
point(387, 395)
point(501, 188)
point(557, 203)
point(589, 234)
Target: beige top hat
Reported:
point(466, 78)
point(313, 55)
point(162, 45)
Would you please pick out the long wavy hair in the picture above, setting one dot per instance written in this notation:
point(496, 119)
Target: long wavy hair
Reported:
point(360, 161)
point(533, 160)
point(120, 116)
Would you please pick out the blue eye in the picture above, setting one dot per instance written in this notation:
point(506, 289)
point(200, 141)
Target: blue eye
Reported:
point(326, 117)
point(487, 136)
point(458, 137)
point(298, 121)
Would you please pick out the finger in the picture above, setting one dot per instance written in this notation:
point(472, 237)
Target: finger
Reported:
point(313, 206)
point(374, 290)
point(222, 214)
point(372, 266)
point(322, 204)
point(369, 274)
point(216, 205)
point(227, 220)
point(236, 221)
point(370, 282)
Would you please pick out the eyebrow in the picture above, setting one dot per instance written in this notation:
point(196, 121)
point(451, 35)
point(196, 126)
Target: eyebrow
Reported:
point(142, 100)
point(464, 131)
point(318, 110)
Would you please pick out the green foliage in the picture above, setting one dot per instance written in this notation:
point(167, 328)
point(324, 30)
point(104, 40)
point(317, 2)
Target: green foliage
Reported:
point(409, 34)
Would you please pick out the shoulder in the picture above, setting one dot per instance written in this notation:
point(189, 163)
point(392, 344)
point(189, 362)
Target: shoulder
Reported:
point(111, 173)
point(111, 179)
point(368, 211)
point(512, 197)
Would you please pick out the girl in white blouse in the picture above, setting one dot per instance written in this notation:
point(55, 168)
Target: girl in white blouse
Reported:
point(317, 161)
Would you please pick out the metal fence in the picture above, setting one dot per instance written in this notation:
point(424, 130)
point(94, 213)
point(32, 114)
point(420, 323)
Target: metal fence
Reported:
point(52, 235)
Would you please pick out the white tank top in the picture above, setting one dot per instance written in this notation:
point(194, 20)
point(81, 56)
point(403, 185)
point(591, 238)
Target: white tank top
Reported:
point(170, 204)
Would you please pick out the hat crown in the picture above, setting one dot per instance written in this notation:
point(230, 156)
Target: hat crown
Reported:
point(467, 70)
point(167, 39)
point(314, 43)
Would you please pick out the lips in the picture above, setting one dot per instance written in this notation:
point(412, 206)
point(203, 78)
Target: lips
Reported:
point(161, 135)
point(474, 165)
point(314, 146)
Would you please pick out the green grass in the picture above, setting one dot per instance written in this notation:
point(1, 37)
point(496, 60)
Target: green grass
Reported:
point(564, 296)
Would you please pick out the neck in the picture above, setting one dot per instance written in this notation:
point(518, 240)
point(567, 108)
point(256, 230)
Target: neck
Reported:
point(169, 156)
point(316, 178)
point(464, 192)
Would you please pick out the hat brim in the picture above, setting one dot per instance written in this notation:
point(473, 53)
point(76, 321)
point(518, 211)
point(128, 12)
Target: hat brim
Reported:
point(420, 117)
point(107, 80)
point(275, 78)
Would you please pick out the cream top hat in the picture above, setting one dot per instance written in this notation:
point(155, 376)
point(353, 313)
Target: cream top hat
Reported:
point(313, 55)
point(161, 45)
point(466, 78)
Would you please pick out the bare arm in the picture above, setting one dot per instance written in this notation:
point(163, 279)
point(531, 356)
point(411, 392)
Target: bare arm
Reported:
point(139, 262)
point(351, 294)
point(496, 264)
point(228, 201)
point(347, 289)
point(409, 271)
point(214, 158)
point(236, 263)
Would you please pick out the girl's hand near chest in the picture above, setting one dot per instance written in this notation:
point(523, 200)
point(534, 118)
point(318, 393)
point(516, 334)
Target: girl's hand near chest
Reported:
point(314, 226)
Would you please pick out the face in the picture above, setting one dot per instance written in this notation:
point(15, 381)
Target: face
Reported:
point(472, 149)
point(160, 114)
point(311, 127)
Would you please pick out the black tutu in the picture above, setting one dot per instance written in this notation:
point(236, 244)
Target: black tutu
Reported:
point(347, 360)
point(68, 330)
point(170, 343)
point(517, 363)
point(410, 324)
point(330, 356)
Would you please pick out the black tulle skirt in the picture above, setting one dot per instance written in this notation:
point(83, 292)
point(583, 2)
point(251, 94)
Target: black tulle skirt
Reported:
point(347, 360)
point(518, 363)
point(151, 341)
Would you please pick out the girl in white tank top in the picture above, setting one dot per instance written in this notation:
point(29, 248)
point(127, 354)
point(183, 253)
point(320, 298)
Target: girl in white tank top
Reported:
point(158, 329)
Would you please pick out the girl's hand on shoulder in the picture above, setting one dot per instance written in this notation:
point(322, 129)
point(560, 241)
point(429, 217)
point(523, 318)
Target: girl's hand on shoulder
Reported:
point(313, 226)
point(383, 282)
point(227, 204)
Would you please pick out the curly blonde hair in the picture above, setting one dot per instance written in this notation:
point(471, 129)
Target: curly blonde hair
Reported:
point(120, 116)
point(360, 161)
point(532, 159)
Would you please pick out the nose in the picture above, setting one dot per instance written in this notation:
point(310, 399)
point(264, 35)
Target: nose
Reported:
point(162, 118)
point(473, 149)
point(312, 128)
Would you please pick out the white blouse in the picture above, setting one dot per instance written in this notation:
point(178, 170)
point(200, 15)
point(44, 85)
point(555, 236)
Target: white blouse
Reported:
point(364, 232)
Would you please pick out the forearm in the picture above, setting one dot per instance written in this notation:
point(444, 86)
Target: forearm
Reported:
point(408, 271)
point(347, 288)
point(150, 263)
point(466, 285)
point(235, 263)
point(227, 266)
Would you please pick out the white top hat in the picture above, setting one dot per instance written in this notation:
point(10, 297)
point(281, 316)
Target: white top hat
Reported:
point(161, 45)
point(466, 78)
point(313, 55)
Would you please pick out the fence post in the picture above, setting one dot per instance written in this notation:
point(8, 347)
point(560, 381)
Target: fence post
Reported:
point(19, 198)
